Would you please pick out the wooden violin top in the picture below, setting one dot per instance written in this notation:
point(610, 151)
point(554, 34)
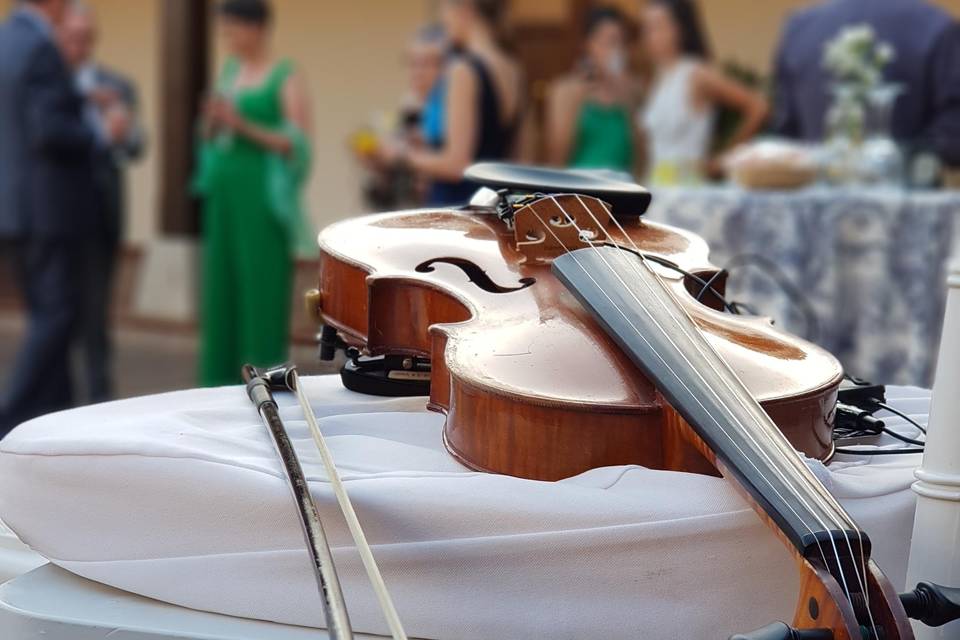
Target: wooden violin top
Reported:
point(537, 340)
point(513, 352)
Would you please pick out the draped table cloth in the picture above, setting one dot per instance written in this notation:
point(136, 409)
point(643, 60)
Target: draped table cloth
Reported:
point(180, 497)
point(869, 265)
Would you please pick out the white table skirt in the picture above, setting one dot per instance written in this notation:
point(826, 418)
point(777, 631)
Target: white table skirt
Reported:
point(179, 498)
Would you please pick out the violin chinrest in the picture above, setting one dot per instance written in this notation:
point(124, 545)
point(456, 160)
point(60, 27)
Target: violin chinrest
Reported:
point(625, 197)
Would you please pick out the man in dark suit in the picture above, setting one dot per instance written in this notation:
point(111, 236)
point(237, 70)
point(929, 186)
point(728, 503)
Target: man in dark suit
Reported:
point(107, 93)
point(927, 64)
point(47, 200)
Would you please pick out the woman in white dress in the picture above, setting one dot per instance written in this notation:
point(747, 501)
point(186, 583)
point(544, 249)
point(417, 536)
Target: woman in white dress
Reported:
point(680, 113)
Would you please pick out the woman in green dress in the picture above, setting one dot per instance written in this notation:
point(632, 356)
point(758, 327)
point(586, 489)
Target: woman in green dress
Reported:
point(253, 159)
point(590, 112)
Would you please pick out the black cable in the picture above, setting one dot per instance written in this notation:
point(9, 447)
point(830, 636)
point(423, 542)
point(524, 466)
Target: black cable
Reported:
point(842, 433)
point(709, 285)
point(732, 307)
point(900, 414)
point(775, 273)
point(705, 285)
point(813, 328)
point(876, 452)
point(742, 308)
point(890, 432)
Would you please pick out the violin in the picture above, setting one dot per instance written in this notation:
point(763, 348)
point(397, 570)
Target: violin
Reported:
point(562, 332)
point(530, 384)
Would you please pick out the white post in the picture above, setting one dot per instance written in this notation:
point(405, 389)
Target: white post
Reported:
point(935, 547)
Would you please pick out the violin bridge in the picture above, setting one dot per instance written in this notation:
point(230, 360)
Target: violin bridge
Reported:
point(554, 225)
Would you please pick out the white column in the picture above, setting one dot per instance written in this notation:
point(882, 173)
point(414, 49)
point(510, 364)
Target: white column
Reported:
point(935, 547)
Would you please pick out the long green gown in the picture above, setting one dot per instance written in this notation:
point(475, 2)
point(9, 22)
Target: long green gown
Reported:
point(247, 260)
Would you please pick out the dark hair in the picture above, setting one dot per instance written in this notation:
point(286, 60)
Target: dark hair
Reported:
point(693, 39)
point(490, 10)
point(600, 15)
point(256, 12)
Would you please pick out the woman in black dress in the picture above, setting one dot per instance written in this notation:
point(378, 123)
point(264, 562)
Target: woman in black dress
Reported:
point(483, 103)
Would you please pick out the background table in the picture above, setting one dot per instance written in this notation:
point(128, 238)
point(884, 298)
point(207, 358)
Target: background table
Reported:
point(871, 264)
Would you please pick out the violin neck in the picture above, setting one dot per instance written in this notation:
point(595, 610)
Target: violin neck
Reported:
point(644, 317)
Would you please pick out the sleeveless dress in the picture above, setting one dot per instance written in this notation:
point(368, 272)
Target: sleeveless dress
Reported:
point(431, 117)
point(604, 139)
point(494, 137)
point(247, 266)
point(679, 131)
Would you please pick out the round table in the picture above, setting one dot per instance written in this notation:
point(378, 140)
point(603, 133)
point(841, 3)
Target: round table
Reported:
point(860, 271)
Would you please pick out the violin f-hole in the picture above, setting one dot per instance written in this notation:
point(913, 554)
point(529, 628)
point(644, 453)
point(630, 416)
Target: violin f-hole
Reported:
point(475, 274)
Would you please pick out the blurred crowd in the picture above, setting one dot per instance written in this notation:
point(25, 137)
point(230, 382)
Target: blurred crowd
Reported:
point(645, 98)
point(68, 127)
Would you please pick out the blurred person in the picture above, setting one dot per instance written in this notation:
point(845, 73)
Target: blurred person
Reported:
point(435, 49)
point(420, 114)
point(253, 163)
point(590, 113)
point(679, 116)
point(48, 202)
point(926, 42)
point(425, 59)
point(483, 104)
point(106, 92)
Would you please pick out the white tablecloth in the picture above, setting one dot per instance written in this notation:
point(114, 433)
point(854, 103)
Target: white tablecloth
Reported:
point(179, 497)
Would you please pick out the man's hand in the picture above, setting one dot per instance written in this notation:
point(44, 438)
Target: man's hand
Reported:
point(104, 98)
point(117, 123)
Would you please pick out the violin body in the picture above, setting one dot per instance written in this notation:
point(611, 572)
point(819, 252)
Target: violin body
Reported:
point(530, 384)
point(565, 333)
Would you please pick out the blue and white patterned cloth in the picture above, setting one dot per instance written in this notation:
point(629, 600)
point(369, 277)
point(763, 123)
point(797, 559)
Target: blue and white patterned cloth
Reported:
point(870, 263)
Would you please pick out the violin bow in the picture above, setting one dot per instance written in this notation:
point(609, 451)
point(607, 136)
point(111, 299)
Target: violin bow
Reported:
point(321, 560)
point(286, 378)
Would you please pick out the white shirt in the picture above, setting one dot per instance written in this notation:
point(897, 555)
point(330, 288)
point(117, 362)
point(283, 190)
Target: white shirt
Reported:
point(679, 131)
point(85, 80)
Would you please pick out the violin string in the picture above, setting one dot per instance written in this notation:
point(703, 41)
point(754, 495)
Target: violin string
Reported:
point(826, 499)
point(790, 454)
point(670, 313)
point(683, 383)
point(753, 408)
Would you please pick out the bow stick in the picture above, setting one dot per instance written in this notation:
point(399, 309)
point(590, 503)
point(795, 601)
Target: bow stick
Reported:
point(334, 609)
point(286, 378)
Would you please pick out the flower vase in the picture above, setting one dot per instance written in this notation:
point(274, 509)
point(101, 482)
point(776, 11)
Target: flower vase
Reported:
point(881, 161)
point(846, 130)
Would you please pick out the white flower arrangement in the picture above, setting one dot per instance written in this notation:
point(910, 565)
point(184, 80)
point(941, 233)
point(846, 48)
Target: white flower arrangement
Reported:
point(855, 56)
point(856, 59)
